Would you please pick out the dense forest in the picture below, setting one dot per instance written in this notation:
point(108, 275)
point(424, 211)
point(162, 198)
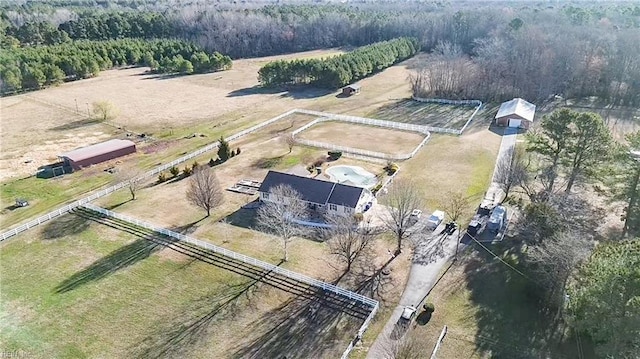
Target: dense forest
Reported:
point(486, 50)
point(337, 71)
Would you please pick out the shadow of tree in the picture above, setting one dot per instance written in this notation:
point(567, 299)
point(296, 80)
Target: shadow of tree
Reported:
point(424, 317)
point(265, 163)
point(429, 249)
point(301, 328)
point(243, 217)
point(121, 258)
point(76, 124)
point(67, 225)
point(511, 321)
point(194, 323)
point(400, 329)
point(294, 92)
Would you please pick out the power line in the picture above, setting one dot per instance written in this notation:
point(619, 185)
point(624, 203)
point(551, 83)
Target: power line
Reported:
point(500, 259)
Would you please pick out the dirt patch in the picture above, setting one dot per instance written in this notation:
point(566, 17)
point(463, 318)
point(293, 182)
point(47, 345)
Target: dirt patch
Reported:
point(368, 138)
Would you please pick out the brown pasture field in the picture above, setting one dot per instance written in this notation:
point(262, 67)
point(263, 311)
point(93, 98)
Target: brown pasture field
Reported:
point(40, 125)
point(368, 138)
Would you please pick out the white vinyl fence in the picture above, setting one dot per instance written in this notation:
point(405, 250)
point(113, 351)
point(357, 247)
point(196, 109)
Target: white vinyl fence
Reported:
point(322, 116)
point(476, 103)
point(256, 263)
point(154, 172)
point(364, 121)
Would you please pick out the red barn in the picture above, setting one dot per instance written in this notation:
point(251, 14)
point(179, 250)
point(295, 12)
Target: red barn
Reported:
point(100, 152)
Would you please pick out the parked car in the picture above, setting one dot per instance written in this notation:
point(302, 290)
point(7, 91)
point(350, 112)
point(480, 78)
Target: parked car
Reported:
point(416, 213)
point(408, 313)
point(477, 225)
point(435, 219)
point(497, 219)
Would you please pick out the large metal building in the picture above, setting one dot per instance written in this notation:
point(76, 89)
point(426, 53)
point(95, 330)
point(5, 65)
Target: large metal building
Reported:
point(100, 152)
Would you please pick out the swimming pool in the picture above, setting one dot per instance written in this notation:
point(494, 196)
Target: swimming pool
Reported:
point(352, 175)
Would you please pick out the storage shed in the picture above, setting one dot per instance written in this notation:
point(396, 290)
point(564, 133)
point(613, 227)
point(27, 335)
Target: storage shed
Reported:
point(516, 113)
point(353, 89)
point(100, 152)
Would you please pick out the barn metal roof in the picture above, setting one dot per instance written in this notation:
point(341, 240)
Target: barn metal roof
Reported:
point(314, 190)
point(518, 107)
point(97, 149)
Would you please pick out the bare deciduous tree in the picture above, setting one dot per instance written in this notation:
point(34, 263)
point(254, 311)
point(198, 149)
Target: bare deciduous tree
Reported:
point(455, 205)
point(347, 240)
point(284, 204)
point(204, 189)
point(402, 199)
point(554, 260)
point(288, 140)
point(104, 110)
point(132, 179)
point(410, 346)
point(512, 169)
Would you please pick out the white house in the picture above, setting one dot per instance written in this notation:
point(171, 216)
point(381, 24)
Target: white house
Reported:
point(321, 196)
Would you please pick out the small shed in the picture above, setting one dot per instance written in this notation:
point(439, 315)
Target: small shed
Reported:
point(100, 152)
point(352, 89)
point(516, 113)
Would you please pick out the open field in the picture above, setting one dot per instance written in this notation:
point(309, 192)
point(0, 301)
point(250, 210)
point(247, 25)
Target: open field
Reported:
point(428, 114)
point(129, 90)
point(490, 312)
point(454, 164)
point(369, 138)
point(110, 290)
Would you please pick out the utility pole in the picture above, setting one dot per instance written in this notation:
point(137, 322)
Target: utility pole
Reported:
point(455, 256)
point(634, 192)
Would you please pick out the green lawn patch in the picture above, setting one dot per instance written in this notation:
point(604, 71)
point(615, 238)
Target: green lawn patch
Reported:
point(110, 292)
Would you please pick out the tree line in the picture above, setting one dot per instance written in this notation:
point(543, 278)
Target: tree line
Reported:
point(537, 60)
point(92, 26)
point(33, 67)
point(535, 52)
point(337, 71)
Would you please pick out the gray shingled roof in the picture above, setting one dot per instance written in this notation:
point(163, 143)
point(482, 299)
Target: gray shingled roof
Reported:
point(314, 190)
point(344, 195)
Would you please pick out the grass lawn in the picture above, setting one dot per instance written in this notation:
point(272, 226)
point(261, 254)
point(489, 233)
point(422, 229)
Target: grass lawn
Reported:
point(368, 138)
point(45, 194)
point(428, 114)
point(491, 312)
point(457, 164)
point(104, 292)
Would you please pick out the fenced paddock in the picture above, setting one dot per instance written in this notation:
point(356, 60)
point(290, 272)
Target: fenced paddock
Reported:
point(364, 154)
point(446, 114)
point(370, 138)
point(354, 304)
